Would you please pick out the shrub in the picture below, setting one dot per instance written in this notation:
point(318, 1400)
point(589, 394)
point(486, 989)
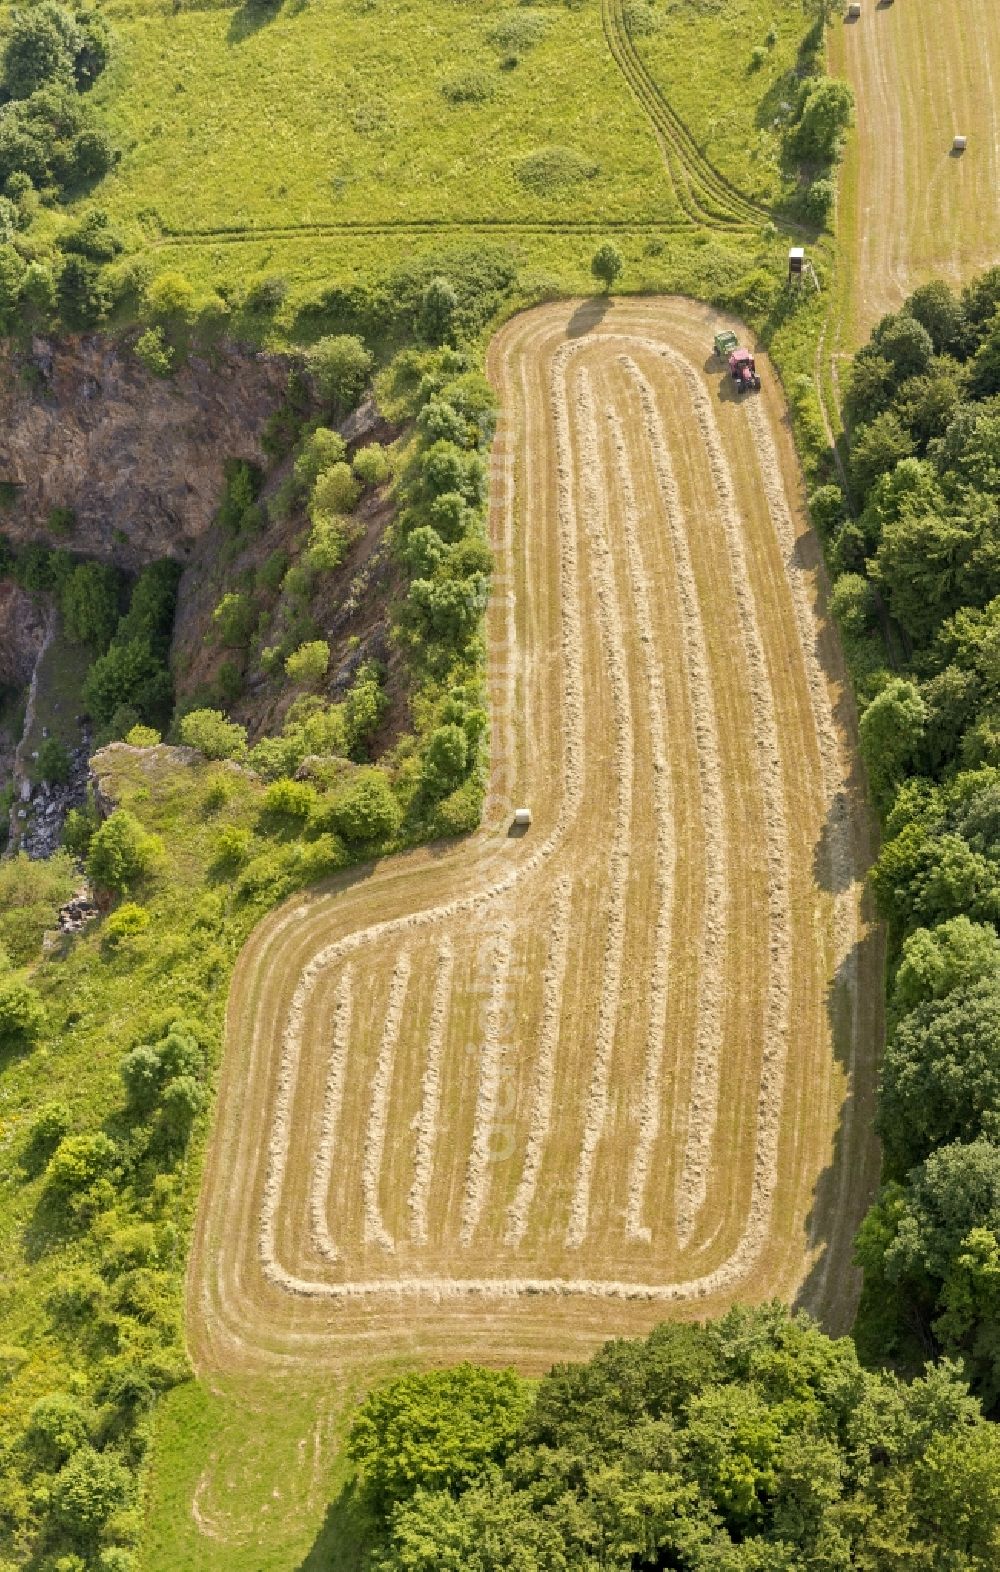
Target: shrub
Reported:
point(238, 511)
point(142, 737)
point(141, 1074)
point(336, 490)
point(341, 365)
point(86, 1492)
point(370, 465)
point(232, 849)
point(321, 450)
point(446, 760)
point(468, 87)
point(61, 521)
point(22, 1015)
point(79, 828)
point(79, 1161)
point(606, 264)
point(438, 304)
point(423, 552)
point(213, 735)
point(122, 852)
point(827, 108)
point(89, 604)
point(180, 1105)
point(53, 762)
point(170, 295)
point(817, 201)
point(57, 1427)
point(126, 923)
point(234, 620)
point(155, 353)
point(852, 602)
point(327, 544)
point(289, 799)
point(367, 812)
point(308, 664)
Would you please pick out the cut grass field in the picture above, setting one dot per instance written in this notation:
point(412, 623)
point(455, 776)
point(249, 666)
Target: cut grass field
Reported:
point(910, 209)
point(507, 1098)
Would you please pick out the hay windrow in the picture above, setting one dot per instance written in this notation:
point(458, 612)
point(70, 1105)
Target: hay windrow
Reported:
point(332, 1099)
point(375, 1231)
point(664, 850)
point(490, 1060)
point(613, 641)
point(553, 983)
point(430, 1101)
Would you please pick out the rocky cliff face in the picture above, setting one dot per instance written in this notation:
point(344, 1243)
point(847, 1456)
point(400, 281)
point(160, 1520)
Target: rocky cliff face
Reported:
point(23, 621)
point(138, 458)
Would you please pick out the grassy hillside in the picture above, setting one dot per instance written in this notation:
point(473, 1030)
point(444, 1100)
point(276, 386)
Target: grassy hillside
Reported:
point(321, 139)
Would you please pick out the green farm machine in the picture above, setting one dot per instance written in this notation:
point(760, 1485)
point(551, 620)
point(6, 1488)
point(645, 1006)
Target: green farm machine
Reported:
point(742, 366)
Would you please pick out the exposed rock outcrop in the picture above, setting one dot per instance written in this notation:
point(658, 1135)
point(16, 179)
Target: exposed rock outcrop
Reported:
point(138, 458)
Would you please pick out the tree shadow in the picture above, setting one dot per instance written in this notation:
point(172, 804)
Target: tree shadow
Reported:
point(344, 1537)
point(250, 17)
point(826, 1226)
point(588, 315)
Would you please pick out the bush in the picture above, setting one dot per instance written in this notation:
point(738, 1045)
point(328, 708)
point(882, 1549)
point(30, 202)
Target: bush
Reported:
point(22, 1015)
point(289, 799)
point(327, 544)
point(86, 1492)
point(321, 450)
point(370, 465)
point(367, 812)
point(79, 1161)
point(606, 264)
point(142, 737)
point(170, 295)
point(308, 664)
point(126, 923)
point(235, 620)
point(57, 1427)
point(89, 604)
point(122, 853)
point(155, 353)
point(817, 201)
point(213, 735)
point(852, 602)
point(336, 490)
point(53, 762)
point(232, 849)
point(438, 304)
point(827, 108)
point(341, 365)
point(238, 511)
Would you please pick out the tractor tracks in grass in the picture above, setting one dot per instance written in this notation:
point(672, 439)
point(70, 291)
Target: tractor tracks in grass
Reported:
point(704, 193)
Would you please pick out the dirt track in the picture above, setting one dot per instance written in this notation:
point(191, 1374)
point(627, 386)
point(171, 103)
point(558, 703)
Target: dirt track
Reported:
point(506, 1098)
point(919, 80)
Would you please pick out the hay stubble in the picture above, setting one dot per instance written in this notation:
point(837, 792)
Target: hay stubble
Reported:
point(595, 1079)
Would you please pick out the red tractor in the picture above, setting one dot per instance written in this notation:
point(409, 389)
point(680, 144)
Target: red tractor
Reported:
point(742, 366)
point(743, 370)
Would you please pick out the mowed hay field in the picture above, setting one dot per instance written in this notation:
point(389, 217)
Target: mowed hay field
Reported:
point(508, 1097)
point(910, 209)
